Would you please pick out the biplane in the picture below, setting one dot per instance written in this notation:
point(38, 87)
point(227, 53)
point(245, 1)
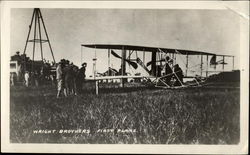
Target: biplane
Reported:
point(154, 66)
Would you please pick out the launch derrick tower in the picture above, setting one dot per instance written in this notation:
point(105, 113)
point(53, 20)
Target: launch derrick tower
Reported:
point(38, 23)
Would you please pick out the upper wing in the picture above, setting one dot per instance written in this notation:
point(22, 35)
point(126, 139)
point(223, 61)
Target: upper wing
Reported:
point(146, 49)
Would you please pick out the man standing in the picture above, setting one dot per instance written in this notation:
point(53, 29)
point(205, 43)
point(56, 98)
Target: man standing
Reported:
point(59, 78)
point(75, 79)
point(68, 77)
point(26, 78)
point(81, 75)
point(12, 79)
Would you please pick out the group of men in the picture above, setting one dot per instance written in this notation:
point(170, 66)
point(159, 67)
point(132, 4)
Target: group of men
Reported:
point(31, 73)
point(34, 78)
point(69, 78)
point(174, 72)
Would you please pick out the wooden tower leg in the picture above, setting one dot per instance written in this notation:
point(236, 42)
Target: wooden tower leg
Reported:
point(42, 21)
point(34, 42)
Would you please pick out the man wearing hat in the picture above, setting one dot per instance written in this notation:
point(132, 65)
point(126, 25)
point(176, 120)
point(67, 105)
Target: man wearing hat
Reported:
point(168, 71)
point(81, 75)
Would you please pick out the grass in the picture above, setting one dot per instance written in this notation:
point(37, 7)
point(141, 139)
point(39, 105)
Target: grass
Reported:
point(183, 116)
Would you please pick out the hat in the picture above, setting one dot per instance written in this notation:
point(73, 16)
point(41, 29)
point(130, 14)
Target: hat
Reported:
point(176, 65)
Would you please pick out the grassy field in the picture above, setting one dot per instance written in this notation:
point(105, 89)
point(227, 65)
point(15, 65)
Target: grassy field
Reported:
point(157, 116)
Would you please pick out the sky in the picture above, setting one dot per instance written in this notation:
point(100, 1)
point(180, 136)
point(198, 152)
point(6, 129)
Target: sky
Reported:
point(214, 31)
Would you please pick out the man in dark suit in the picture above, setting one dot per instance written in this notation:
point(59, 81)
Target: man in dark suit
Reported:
point(178, 75)
point(168, 71)
point(81, 75)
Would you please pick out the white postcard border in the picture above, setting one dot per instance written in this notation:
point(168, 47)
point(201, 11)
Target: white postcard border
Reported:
point(241, 148)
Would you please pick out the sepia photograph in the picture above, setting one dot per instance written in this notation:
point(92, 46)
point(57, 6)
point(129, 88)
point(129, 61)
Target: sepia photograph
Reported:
point(134, 75)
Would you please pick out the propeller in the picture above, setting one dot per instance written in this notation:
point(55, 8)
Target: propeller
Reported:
point(138, 60)
point(214, 62)
point(133, 64)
